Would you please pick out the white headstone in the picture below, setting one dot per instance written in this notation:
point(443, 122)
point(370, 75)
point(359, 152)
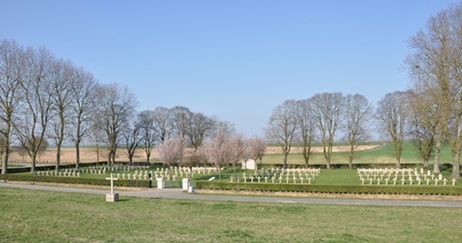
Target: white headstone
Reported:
point(249, 165)
point(160, 183)
point(185, 184)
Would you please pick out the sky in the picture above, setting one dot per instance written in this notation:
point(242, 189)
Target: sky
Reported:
point(235, 60)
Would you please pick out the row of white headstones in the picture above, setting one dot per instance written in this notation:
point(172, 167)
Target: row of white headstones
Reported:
point(58, 173)
point(405, 176)
point(301, 176)
point(136, 175)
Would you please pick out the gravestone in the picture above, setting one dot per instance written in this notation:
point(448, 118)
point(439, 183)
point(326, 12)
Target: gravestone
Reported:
point(160, 183)
point(112, 197)
point(249, 165)
point(185, 186)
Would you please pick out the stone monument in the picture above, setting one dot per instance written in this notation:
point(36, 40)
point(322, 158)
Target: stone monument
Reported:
point(112, 197)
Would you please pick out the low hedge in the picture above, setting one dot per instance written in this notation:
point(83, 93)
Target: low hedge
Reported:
point(363, 189)
point(75, 180)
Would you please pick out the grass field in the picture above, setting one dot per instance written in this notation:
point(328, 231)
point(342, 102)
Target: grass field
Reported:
point(38, 216)
point(384, 154)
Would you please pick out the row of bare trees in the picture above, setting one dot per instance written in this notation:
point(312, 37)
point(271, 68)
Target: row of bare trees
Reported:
point(429, 113)
point(43, 97)
point(152, 127)
point(319, 119)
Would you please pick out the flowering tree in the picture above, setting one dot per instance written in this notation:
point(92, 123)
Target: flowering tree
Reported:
point(218, 150)
point(171, 151)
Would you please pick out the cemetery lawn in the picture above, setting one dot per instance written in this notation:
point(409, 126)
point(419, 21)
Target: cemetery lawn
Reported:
point(40, 216)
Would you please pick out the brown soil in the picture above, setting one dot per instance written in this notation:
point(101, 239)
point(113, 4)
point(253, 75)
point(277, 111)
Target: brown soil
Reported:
point(86, 155)
point(90, 155)
point(295, 150)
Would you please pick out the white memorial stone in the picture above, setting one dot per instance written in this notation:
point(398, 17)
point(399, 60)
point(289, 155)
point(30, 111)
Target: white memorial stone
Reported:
point(185, 186)
point(160, 183)
point(112, 197)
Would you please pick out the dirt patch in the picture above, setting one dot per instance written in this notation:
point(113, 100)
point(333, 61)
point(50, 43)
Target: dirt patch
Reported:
point(319, 149)
point(86, 155)
point(90, 155)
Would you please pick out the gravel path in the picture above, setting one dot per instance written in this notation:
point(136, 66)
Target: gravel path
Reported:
point(179, 194)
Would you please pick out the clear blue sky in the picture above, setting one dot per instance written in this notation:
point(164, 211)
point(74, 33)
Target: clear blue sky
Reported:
point(236, 60)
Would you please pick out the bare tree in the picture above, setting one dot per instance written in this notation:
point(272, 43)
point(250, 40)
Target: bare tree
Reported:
point(358, 113)
point(281, 127)
point(11, 78)
point(327, 111)
point(115, 106)
point(306, 131)
point(164, 121)
point(38, 103)
point(97, 137)
point(82, 106)
point(146, 123)
point(61, 78)
point(435, 65)
point(393, 114)
point(181, 117)
point(132, 138)
point(423, 127)
point(199, 128)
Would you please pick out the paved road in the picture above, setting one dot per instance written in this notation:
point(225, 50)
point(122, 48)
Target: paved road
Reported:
point(179, 194)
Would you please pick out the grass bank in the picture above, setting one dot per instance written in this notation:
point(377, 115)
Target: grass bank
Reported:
point(38, 216)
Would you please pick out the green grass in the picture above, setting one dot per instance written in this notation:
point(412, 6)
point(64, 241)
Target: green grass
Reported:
point(39, 216)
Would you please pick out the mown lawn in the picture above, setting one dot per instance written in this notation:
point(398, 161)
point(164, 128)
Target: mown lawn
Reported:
point(38, 216)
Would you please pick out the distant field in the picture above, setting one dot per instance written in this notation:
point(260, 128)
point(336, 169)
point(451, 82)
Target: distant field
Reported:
point(380, 154)
point(370, 153)
point(86, 155)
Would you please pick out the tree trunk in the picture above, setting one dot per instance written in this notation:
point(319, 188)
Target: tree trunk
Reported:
point(286, 154)
point(130, 159)
point(436, 165)
point(351, 157)
point(34, 160)
point(306, 155)
point(219, 173)
point(97, 153)
point(58, 156)
point(109, 157)
point(148, 156)
point(456, 165)
point(113, 157)
point(77, 156)
point(5, 159)
point(426, 163)
point(6, 149)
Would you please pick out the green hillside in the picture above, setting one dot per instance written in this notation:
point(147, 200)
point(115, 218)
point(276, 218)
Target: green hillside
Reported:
point(383, 154)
